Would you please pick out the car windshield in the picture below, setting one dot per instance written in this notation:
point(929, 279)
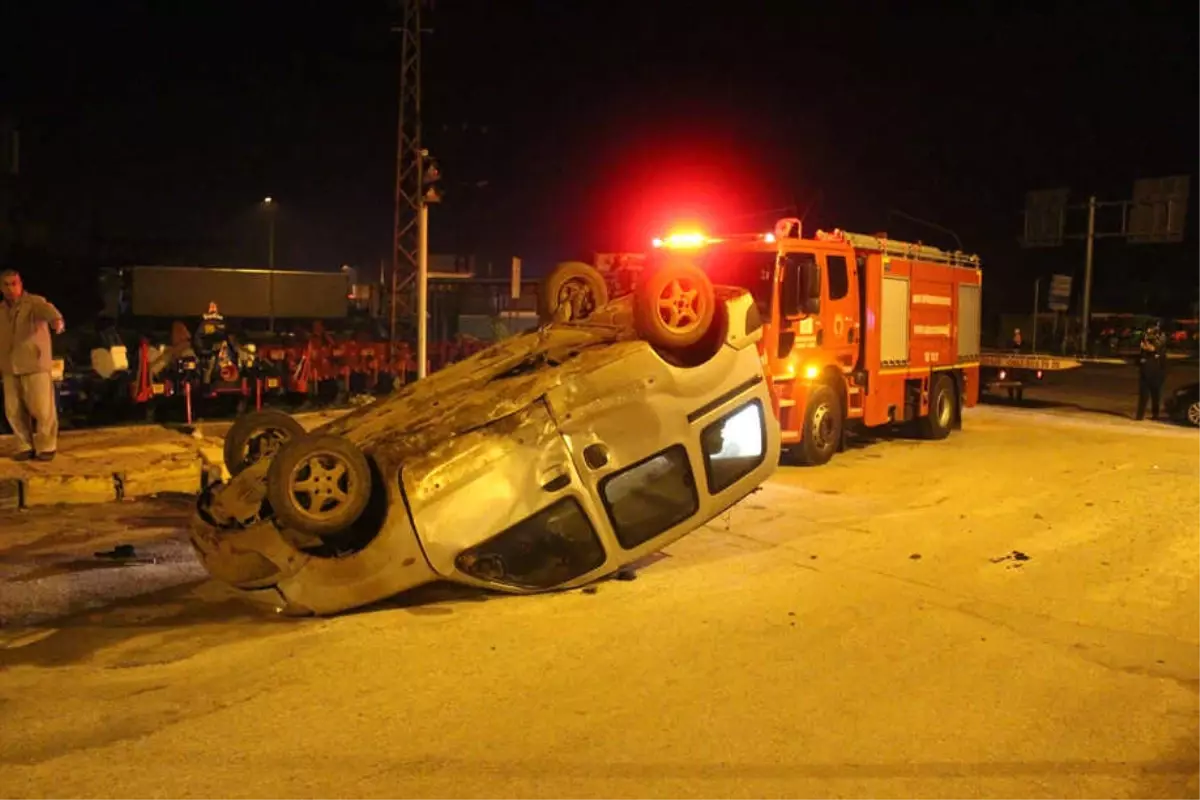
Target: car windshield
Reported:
point(753, 271)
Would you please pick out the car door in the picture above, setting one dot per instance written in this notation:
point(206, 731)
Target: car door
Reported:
point(504, 505)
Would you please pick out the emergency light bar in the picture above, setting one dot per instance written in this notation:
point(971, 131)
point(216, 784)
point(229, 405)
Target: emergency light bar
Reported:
point(681, 241)
point(787, 228)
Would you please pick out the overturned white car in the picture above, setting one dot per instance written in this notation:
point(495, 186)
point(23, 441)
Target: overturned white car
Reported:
point(544, 462)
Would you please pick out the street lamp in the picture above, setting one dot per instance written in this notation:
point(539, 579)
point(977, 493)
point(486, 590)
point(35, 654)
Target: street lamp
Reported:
point(269, 207)
point(428, 170)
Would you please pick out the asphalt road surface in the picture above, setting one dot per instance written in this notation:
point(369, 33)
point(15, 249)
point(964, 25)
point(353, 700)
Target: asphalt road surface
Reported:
point(1008, 613)
point(1098, 388)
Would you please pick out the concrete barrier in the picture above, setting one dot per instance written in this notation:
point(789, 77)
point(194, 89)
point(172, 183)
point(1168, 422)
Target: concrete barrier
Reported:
point(53, 490)
point(105, 465)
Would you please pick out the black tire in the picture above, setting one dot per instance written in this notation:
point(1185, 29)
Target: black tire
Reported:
point(319, 485)
point(821, 435)
point(1191, 414)
point(943, 404)
point(674, 306)
point(571, 292)
point(257, 435)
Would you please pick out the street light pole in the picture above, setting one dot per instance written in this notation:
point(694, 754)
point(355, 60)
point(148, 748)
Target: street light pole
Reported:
point(422, 288)
point(269, 205)
point(1087, 274)
point(1036, 286)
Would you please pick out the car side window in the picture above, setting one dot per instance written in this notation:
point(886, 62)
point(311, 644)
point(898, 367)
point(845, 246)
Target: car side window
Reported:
point(839, 277)
point(650, 497)
point(555, 545)
point(734, 446)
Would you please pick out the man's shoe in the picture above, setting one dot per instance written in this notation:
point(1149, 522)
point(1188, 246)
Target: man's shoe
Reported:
point(27, 455)
point(47, 456)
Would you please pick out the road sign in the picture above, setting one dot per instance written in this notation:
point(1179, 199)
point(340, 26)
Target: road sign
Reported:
point(1045, 217)
point(1059, 298)
point(1158, 210)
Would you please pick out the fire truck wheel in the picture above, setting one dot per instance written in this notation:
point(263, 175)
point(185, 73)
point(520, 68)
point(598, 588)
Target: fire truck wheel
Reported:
point(319, 485)
point(822, 433)
point(674, 306)
point(258, 435)
point(572, 291)
point(942, 401)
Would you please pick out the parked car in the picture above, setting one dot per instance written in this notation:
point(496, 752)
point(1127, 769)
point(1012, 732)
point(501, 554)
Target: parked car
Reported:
point(1183, 405)
point(544, 462)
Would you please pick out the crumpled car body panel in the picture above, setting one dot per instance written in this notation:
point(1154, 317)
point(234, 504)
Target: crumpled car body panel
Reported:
point(492, 472)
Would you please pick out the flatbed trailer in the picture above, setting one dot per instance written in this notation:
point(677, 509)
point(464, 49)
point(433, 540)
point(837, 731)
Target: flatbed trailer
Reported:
point(1015, 371)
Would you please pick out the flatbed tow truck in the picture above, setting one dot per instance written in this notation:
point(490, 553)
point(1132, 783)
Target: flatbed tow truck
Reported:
point(999, 369)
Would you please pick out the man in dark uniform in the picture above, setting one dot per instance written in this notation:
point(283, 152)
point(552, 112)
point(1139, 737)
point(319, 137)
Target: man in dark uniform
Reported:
point(1152, 369)
point(1016, 343)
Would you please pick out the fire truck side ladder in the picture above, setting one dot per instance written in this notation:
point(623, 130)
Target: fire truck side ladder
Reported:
point(905, 250)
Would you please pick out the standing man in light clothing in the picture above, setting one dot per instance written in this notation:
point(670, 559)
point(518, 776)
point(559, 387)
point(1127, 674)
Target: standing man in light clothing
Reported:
point(26, 359)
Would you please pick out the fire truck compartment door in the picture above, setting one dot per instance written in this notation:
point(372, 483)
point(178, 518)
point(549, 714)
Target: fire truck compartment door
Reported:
point(893, 322)
point(969, 312)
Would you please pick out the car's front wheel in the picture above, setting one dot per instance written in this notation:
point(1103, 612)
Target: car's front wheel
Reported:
point(1193, 414)
point(674, 307)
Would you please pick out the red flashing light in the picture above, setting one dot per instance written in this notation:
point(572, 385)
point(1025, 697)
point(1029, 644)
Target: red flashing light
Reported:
point(682, 241)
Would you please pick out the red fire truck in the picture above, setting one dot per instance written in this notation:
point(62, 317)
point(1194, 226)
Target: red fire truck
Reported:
point(859, 330)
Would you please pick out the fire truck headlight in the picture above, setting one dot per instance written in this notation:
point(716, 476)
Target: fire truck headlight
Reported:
point(812, 371)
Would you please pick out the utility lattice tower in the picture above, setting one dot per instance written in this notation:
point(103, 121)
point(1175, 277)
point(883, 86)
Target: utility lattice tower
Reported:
point(408, 162)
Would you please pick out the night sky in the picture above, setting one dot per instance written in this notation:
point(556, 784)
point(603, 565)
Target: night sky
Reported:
point(150, 133)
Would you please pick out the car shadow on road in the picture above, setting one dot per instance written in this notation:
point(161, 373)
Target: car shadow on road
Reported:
point(441, 598)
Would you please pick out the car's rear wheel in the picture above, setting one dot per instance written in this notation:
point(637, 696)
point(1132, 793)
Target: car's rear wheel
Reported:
point(258, 435)
point(319, 485)
point(674, 306)
point(571, 292)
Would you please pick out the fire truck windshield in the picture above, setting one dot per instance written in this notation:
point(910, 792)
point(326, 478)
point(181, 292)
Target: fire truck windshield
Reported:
point(750, 270)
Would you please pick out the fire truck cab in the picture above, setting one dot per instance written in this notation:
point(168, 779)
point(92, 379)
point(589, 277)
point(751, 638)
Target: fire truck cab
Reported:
point(859, 330)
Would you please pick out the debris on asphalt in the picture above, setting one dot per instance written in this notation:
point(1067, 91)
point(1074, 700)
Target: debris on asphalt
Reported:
point(590, 589)
point(1015, 555)
point(915, 557)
